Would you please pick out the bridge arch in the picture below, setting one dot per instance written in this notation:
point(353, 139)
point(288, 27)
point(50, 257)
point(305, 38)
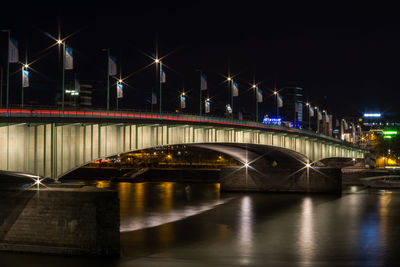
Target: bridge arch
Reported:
point(54, 149)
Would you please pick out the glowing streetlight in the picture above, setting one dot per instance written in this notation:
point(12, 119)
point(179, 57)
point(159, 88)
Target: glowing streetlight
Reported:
point(246, 165)
point(120, 81)
point(156, 60)
point(229, 78)
point(254, 86)
point(59, 41)
point(308, 165)
point(275, 92)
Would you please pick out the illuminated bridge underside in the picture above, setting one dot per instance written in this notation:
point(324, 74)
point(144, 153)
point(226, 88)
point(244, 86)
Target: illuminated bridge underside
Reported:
point(54, 149)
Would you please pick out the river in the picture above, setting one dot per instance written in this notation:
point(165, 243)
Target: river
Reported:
point(178, 224)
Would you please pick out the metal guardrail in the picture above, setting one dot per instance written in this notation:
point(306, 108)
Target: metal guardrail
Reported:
point(46, 112)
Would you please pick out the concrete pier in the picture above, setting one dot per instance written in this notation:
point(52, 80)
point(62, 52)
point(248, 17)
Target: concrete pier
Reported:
point(71, 221)
point(325, 180)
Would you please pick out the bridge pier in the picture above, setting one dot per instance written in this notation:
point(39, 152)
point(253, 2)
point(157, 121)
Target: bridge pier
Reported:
point(326, 180)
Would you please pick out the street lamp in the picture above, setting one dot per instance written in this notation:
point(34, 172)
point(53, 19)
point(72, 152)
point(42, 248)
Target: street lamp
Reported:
point(62, 43)
point(254, 86)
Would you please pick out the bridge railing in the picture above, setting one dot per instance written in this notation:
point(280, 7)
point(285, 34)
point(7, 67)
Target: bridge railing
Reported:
point(46, 112)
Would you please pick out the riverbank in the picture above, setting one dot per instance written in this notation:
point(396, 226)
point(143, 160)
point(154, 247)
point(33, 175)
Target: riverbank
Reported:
point(151, 174)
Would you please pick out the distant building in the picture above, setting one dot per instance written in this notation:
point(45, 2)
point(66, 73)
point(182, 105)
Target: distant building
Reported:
point(292, 109)
point(85, 95)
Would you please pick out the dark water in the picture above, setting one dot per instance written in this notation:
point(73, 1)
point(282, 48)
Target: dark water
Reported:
point(176, 224)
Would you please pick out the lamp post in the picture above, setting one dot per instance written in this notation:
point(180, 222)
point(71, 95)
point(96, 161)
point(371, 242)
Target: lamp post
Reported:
point(24, 67)
point(276, 103)
point(157, 61)
point(8, 70)
point(309, 117)
point(229, 79)
point(254, 86)
point(60, 42)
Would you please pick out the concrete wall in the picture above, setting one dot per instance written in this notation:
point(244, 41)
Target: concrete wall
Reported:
point(63, 221)
point(326, 180)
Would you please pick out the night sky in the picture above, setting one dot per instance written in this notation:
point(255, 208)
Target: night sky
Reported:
point(346, 54)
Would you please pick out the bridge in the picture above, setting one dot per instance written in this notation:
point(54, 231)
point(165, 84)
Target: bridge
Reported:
point(50, 143)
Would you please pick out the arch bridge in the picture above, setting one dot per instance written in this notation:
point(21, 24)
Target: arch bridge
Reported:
point(50, 143)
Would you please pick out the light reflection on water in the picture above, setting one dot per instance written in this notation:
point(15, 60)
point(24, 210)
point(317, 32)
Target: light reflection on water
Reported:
point(146, 205)
point(306, 235)
point(181, 224)
point(245, 229)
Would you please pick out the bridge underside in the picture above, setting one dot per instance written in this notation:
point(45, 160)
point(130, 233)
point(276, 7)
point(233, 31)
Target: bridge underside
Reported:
point(54, 149)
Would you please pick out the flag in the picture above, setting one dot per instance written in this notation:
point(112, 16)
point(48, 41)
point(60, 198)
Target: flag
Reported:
point(228, 109)
point(69, 59)
point(25, 78)
point(207, 106)
point(319, 115)
point(162, 75)
point(120, 92)
point(311, 111)
point(337, 124)
point(203, 82)
point(112, 66)
point(240, 115)
point(326, 117)
point(77, 86)
point(346, 126)
point(280, 101)
point(235, 89)
point(259, 96)
point(183, 101)
point(12, 50)
point(153, 98)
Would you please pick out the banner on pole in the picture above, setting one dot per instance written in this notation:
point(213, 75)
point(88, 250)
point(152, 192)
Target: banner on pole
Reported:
point(12, 50)
point(228, 109)
point(203, 82)
point(319, 115)
point(259, 96)
point(69, 59)
point(311, 111)
point(240, 115)
point(153, 98)
point(235, 89)
point(207, 106)
point(120, 92)
point(163, 78)
point(280, 101)
point(183, 101)
point(112, 66)
point(326, 117)
point(25, 78)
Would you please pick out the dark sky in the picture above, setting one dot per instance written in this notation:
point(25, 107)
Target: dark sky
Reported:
point(346, 53)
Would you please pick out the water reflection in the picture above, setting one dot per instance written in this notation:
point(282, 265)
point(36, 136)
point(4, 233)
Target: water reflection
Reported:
point(145, 205)
point(306, 234)
point(245, 229)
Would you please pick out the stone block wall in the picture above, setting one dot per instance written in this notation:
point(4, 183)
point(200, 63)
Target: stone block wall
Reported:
point(60, 220)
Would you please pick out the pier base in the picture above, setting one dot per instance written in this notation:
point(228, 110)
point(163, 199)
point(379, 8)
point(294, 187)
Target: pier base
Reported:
point(325, 180)
point(71, 221)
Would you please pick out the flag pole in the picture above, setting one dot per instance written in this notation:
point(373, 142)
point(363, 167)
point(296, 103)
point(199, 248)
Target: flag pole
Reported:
point(200, 90)
point(1, 86)
point(63, 76)
point(255, 93)
point(230, 86)
point(159, 81)
point(108, 80)
point(22, 87)
point(309, 117)
point(8, 72)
